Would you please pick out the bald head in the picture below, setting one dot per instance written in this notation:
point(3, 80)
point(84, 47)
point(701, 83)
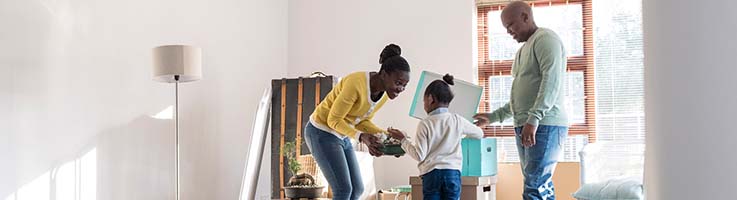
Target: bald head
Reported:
point(517, 19)
point(517, 8)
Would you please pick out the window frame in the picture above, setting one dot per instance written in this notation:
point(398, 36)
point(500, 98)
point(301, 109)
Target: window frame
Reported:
point(583, 63)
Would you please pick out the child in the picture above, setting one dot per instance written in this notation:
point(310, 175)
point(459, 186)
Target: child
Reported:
point(437, 145)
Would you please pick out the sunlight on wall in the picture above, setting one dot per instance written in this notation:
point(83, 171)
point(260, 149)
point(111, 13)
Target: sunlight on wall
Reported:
point(88, 171)
point(73, 180)
point(66, 181)
point(37, 189)
point(167, 113)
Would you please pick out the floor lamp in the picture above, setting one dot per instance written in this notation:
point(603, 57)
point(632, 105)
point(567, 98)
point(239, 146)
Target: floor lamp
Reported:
point(177, 64)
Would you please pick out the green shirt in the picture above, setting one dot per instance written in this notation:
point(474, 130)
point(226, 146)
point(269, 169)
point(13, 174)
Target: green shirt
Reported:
point(538, 71)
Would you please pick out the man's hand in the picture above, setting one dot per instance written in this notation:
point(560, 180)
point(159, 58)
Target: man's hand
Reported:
point(396, 133)
point(373, 144)
point(481, 119)
point(528, 135)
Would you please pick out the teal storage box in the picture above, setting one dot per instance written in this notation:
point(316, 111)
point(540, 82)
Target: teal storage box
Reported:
point(479, 157)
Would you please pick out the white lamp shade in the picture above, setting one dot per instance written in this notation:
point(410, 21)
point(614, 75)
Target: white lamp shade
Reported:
point(182, 60)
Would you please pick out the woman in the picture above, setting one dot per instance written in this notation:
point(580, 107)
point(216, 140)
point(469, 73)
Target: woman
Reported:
point(346, 113)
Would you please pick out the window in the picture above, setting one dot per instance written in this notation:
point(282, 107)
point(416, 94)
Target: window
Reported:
point(604, 83)
point(573, 89)
point(564, 19)
point(497, 49)
point(620, 113)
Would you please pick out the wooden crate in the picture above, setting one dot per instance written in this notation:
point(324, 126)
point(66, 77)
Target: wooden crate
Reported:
point(293, 101)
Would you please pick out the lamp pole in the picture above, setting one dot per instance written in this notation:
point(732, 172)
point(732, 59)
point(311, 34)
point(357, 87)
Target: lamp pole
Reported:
point(175, 64)
point(176, 129)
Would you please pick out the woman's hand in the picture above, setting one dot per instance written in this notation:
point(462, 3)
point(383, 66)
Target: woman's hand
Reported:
point(373, 144)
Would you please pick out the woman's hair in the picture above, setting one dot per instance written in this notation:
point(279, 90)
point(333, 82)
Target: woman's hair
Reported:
point(391, 59)
point(440, 89)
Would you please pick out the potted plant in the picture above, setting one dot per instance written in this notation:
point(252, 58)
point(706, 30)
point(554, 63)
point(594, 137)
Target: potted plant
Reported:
point(392, 147)
point(299, 185)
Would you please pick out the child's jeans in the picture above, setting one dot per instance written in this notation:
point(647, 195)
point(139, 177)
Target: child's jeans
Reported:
point(442, 184)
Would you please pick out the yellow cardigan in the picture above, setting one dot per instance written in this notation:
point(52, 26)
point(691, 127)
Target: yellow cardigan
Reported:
point(348, 108)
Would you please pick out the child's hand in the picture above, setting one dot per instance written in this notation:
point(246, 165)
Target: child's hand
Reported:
point(396, 133)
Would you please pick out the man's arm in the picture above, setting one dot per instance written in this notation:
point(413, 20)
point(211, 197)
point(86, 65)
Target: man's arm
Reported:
point(550, 57)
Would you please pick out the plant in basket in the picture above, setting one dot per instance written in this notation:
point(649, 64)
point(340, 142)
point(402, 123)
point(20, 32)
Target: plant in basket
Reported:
point(392, 146)
point(300, 185)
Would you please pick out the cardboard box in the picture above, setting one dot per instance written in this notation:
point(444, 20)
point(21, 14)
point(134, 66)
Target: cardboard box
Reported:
point(479, 157)
point(465, 103)
point(472, 187)
point(388, 195)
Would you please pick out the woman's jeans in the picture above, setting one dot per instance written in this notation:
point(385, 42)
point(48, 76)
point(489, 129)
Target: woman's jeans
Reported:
point(338, 162)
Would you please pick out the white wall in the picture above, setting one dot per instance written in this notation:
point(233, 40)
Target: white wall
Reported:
point(690, 98)
point(75, 78)
point(339, 37)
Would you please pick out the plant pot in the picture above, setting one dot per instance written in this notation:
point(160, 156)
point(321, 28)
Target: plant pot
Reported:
point(310, 192)
point(301, 179)
point(392, 150)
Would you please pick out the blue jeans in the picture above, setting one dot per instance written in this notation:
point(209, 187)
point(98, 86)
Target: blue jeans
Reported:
point(441, 184)
point(338, 162)
point(538, 162)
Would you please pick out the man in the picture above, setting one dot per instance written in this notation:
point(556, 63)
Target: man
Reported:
point(537, 100)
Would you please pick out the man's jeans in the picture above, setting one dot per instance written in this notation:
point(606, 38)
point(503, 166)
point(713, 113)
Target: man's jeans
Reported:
point(538, 162)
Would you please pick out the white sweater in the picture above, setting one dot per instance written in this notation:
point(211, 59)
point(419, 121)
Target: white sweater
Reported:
point(437, 144)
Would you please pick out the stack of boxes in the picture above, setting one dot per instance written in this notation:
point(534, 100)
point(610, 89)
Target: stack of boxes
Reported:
point(479, 157)
point(478, 181)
